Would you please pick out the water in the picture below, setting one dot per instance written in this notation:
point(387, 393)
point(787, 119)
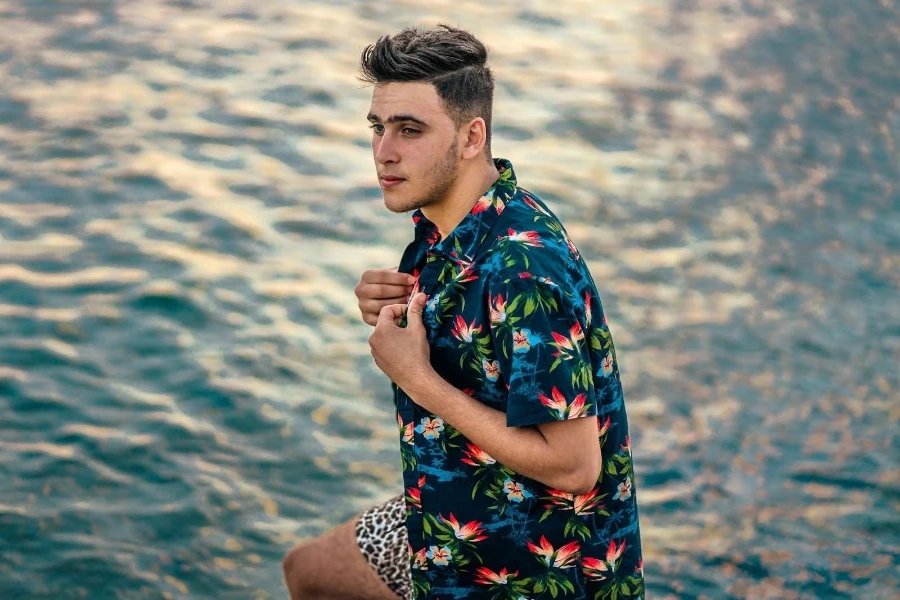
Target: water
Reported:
point(187, 200)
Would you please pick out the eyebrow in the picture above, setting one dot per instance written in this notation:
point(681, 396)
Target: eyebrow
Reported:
point(398, 119)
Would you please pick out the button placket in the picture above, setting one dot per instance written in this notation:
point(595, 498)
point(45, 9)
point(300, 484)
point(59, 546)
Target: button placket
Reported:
point(427, 284)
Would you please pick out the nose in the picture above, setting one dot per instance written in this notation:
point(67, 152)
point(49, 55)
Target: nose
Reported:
point(385, 149)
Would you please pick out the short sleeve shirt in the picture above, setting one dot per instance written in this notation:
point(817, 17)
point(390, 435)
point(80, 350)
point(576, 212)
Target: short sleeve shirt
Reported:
point(515, 320)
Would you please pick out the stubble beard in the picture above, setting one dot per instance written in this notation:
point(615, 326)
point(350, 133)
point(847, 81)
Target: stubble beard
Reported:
point(443, 178)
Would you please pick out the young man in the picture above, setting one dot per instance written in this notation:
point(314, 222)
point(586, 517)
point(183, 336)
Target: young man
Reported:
point(513, 434)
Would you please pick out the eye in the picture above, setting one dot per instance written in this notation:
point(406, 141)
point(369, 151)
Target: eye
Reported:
point(410, 131)
point(378, 128)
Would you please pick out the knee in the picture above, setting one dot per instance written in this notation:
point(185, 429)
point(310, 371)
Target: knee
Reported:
point(292, 565)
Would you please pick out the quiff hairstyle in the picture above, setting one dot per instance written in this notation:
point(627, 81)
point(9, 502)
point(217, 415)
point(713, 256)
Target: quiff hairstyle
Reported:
point(451, 59)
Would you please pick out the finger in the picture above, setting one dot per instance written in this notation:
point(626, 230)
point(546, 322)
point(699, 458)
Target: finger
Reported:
point(381, 291)
point(374, 307)
point(390, 313)
point(386, 276)
point(415, 311)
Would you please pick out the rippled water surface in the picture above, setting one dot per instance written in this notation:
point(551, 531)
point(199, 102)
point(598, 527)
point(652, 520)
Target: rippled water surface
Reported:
point(187, 200)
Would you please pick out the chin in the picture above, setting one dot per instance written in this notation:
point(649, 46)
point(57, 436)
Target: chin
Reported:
point(398, 203)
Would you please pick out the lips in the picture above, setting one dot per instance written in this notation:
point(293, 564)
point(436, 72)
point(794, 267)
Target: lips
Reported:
point(388, 181)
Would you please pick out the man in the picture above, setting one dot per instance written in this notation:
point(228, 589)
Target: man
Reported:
point(514, 440)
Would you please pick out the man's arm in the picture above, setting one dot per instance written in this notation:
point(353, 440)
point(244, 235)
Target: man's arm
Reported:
point(564, 455)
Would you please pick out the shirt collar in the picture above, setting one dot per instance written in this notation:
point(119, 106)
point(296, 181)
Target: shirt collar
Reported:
point(463, 242)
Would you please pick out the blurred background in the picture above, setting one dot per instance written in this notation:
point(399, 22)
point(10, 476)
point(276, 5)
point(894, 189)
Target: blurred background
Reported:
point(187, 199)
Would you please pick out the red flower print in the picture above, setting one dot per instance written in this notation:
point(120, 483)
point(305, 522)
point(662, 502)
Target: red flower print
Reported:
point(607, 365)
point(557, 402)
point(513, 490)
point(563, 409)
point(467, 273)
point(487, 577)
point(482, 205)
point(477, 457)
point(414, 497)
point(624, 490)
point(405, 430)
point(587, 308)
point(431, 428)
point(530, 202)
point(527, 238)
point(562, 558)
point(594, 568)
point(420, 561)
point(603, 428)
point(576, 333)
point(578, 407)
point(561, 342)
point(520, 341)
point(470, 532)
point(463, 331)
point(439, 556)
point(582, 504)
point(498, 309)
point(613, 553)
point(567, 347)
point(491, 369)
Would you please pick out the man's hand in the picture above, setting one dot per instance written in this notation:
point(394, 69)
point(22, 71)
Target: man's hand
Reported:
point(379, 288)
point(402, 352)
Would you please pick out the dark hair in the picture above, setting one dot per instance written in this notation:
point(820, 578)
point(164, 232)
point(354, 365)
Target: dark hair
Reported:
point(451, 59)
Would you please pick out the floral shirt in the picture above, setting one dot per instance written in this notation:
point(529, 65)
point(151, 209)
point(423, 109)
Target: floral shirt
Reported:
point(514, 320)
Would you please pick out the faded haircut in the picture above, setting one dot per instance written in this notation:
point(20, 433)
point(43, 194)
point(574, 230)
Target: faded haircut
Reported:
point(451, 59)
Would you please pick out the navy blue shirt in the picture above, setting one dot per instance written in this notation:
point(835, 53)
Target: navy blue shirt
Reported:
point(514, 319)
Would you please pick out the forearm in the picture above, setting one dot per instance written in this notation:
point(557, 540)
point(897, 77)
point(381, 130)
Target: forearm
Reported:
point(522, 449)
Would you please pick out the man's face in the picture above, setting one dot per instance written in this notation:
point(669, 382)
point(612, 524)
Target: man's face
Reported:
point(414, 144)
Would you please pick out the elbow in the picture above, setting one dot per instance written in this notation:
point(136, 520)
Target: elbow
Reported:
point(580, 478)
point(583, 484)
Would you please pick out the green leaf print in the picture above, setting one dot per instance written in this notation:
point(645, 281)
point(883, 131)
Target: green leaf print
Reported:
point(444, 308)
point(513, 305)
point(421, 584)
point(407, 458)
point(476, 488)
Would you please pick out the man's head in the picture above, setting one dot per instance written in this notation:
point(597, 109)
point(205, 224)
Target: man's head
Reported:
point(430, 112)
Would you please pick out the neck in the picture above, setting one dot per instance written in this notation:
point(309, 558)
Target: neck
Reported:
point(471, 184)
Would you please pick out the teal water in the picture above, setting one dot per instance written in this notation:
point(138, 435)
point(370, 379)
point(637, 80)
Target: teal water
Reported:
point(187, 200)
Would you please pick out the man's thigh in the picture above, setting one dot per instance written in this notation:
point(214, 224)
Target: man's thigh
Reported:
point(364, 558)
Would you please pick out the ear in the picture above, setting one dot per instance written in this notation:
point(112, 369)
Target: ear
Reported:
point(475, 133)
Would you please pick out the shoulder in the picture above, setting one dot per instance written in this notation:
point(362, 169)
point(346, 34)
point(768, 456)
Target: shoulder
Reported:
point(530, 246)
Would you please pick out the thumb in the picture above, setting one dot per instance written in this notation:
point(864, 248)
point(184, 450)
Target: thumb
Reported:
point(415, 310)
point(389, 314)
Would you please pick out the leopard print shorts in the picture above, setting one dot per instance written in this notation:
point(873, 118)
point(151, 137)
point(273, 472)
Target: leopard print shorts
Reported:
point(381, 537)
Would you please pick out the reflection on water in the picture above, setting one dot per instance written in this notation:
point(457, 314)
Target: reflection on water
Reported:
point(187, 200)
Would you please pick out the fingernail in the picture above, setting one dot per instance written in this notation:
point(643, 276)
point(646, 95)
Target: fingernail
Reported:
point(410, 280)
